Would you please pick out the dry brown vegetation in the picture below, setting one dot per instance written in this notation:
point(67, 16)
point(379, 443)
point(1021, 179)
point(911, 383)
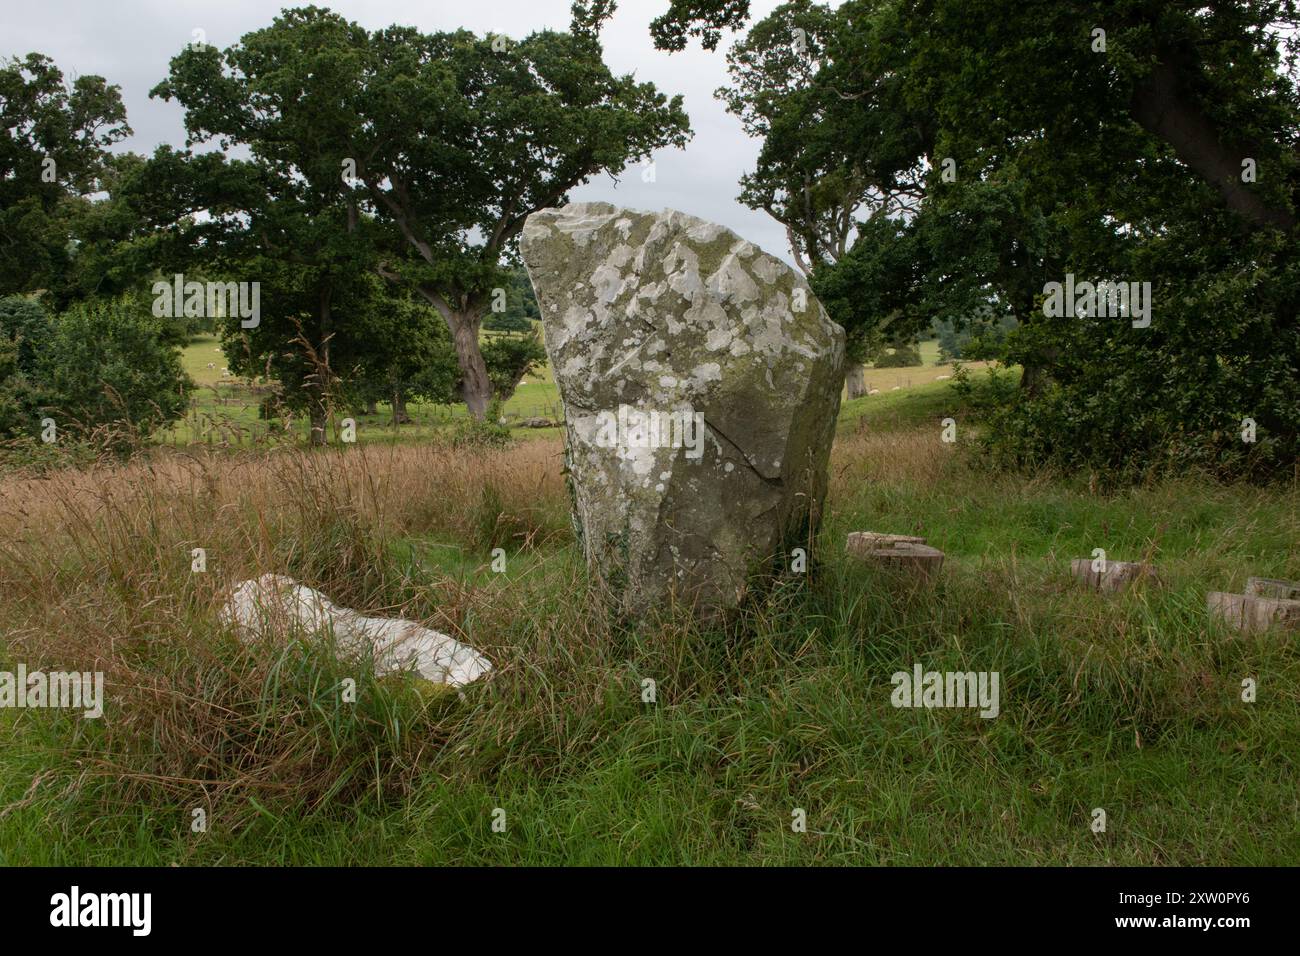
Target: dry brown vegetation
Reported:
point(95, 574)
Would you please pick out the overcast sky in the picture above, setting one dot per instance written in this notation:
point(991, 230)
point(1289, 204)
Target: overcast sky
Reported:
point(130, 42)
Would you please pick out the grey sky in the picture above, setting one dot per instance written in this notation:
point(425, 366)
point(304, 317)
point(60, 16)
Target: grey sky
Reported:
point(131, 41)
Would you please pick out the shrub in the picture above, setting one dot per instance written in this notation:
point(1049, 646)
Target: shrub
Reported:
point(902, 356)
point(25, 324)
point(107, 364)
point(509, 358)
point(490, 433)
point(978, 338)
point(505, 322)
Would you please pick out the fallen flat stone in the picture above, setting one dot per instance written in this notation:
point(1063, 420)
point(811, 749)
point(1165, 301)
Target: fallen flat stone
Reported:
point(1274, 588)
point(1251, 613)
point(700, 380)
point(860, 542)
point(1117, 576)
point(275, 604)
point(898, 553)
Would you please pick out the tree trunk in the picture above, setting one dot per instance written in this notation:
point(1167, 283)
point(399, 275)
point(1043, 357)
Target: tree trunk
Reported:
point(399, 409)
point(1031, 378)
point(855, 379)
point(463, 322)
point(1164, 107)
point(319, 419)
point(372, 407)
point(1036, 369)
point(476, 388)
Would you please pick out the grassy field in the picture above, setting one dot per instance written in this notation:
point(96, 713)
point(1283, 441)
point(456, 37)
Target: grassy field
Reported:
point(1129, 703)
point(224, 410)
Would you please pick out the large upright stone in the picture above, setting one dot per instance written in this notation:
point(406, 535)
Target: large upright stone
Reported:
point(657, 323)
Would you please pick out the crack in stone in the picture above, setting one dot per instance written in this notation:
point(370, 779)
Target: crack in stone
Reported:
point(773, 482)
point(678, 284)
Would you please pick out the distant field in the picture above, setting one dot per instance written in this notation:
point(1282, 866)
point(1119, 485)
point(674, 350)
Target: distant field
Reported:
point(225, 409)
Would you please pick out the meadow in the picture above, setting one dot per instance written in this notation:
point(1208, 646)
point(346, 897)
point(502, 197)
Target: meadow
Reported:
point(1131, 703)
point(224, 410)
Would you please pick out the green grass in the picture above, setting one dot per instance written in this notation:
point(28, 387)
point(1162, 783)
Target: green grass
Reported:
point(1130, 702)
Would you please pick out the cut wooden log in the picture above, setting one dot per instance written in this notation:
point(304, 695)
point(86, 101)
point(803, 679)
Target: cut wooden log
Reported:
point(1251, 613)
point(1117, 576)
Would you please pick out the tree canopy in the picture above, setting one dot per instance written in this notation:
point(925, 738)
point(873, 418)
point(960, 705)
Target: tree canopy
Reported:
point(415, 155)
point(54, 138)
point(1149, 143)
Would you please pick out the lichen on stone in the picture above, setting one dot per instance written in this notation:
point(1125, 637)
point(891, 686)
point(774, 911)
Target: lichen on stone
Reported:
point(665, 311)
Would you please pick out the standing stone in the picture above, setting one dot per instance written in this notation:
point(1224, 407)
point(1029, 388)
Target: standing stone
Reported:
point(700, 380)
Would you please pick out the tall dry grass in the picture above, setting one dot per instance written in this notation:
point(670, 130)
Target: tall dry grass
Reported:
point(96, 574)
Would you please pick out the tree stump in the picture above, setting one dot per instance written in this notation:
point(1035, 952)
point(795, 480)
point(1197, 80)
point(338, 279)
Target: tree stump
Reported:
point(1273, 588)
point(1117, 576)
point(1251, 613)
point(904, 554)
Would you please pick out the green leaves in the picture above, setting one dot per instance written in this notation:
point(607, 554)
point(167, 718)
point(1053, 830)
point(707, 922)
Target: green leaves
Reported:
point(1043, 153)
point(53, 150)
point(108, 363)
point(409, 155)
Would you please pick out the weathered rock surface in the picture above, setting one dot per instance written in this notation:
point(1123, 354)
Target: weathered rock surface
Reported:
point(700, 380)
point(863, 542)
point(275, 604)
